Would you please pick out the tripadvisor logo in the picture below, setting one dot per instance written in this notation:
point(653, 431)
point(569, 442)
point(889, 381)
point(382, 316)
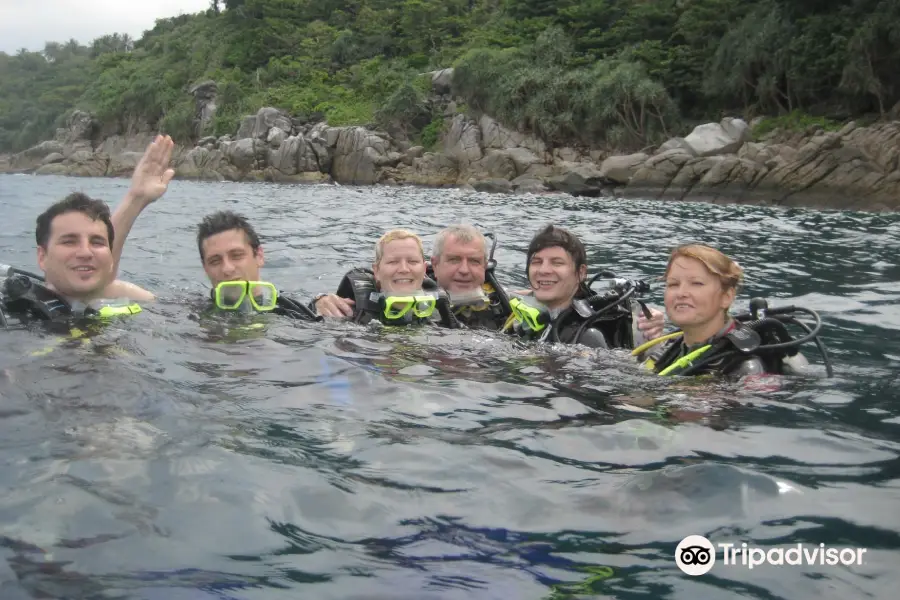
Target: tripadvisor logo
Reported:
point(695, 555)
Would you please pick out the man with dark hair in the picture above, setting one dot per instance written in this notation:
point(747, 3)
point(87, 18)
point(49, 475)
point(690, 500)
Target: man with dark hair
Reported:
point(560, 255)
point(74, 250)
point(78, 249)
point(229, 248)
point(568, 310)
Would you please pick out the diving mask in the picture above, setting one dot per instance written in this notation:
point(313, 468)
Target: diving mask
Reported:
point(231, 295)
point(474, 298)
point(394, 308)
point(531, 313)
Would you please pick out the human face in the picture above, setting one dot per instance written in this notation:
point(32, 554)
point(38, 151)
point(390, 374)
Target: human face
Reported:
point(694, 296)
point(77, 261)
point(553, 277)
point(460, 268)
point(402, 267)
point(228, 256)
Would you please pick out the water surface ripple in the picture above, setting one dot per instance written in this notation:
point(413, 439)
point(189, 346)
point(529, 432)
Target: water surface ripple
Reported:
point(176, 457)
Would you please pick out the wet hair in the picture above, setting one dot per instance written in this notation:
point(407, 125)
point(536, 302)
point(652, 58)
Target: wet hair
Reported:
point(225, 220)
point(74, 202)
point(552, 236)
point(464, 234)
point(392, 235)
point(729, 273)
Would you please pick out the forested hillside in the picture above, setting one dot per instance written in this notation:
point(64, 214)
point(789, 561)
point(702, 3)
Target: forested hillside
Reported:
point(572, 71)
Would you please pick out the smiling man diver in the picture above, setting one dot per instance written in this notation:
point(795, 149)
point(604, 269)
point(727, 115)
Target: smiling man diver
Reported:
point(78, 250)
point(561, 307)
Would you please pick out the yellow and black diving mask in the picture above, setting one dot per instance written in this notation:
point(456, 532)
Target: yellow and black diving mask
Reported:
point(532, 315)
point(232, 295)
point(394, 308)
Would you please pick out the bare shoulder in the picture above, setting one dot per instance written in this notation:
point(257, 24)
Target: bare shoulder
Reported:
point(126, 289)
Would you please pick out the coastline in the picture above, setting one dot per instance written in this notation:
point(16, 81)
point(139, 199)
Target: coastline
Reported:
point(855, 168)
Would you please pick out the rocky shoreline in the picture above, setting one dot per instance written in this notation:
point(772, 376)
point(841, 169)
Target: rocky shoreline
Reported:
point(856, 168)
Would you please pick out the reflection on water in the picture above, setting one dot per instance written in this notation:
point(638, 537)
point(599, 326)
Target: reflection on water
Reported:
point(179, 455)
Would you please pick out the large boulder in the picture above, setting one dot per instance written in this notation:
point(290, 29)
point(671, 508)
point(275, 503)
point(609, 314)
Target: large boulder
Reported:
point(657, 172)
point(201, 163)
point(725, 137)
point(493, 185)
point(441, 81)
point(358, 154)
point(204, 94)
point(495, 135)
point(246, 155)
point(619, 169)
point(496, 164)
point(257, 126)
point(463, 141)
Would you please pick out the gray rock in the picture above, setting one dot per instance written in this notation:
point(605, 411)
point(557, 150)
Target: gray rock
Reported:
point(276, 137)
point(676, 143)
point(201, 163)
point(204, 94)
point(525, 184)
point(619, 169)
point(493, 185)
point(246, 154)
point(441, 81)
point(123, 163)
point(581, 181)
point(496, 164)
point(713, 139)
point(463, 141)
point(358, 152)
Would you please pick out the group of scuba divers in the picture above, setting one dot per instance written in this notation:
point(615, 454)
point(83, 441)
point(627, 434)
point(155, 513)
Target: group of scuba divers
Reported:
point(79, 245)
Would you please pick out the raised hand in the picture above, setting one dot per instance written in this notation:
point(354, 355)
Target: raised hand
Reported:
point(152, 174)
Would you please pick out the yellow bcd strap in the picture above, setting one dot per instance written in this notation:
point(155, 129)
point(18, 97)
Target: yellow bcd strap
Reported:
point(105, 312)
point(649, 344)
point(686, 360)
point(117, 311)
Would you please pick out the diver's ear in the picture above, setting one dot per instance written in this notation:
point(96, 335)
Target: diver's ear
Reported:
point(582, 273)
point(260, 258)
point(728, 297)
point(41, 257)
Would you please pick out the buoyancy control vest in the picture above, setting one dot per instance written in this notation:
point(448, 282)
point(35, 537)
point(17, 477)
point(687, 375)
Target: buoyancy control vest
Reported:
point(490, 311)
point(26, 296)
point(755, 342)
point(595, 319)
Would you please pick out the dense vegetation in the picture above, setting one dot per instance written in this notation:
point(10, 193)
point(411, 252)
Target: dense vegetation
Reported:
point(573, 71)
